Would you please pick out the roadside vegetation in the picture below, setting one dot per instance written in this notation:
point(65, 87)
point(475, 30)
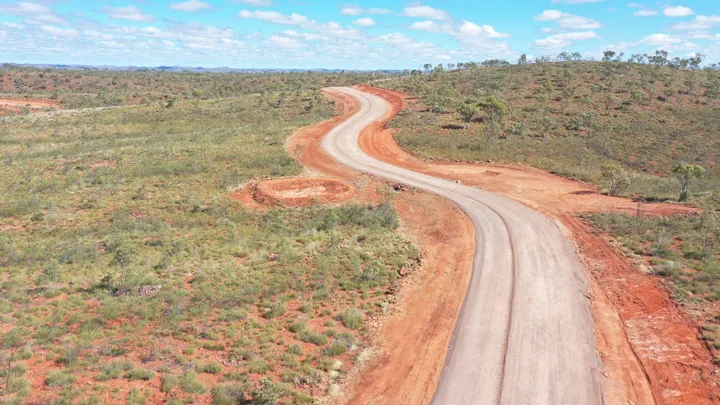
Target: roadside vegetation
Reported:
point(127, 273)
point(684, 251)
point(646, 116)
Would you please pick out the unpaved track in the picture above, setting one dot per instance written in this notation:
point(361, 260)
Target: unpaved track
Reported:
point(525, 333)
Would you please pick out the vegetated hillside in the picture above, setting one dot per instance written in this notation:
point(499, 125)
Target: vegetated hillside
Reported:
point(623, 126)
point(571, 118)
point(93, 88)
point(127, 274)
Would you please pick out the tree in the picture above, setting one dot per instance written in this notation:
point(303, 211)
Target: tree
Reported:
point(427, 67)
point(608, 56)
point(616, 177)
point(451, 66)
point(467, 111)
point(686, 173)
point(576, 56)
point(495, 110)
point(696, 61)
point(523, 60)
point(659, 59)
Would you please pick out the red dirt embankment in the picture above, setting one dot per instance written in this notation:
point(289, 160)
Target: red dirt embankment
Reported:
point(647, 342)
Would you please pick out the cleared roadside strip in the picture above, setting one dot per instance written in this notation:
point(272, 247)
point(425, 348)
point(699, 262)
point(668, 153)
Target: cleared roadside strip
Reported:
point(525, 332)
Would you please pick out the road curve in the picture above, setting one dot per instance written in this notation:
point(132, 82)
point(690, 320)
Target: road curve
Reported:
point(525, 332)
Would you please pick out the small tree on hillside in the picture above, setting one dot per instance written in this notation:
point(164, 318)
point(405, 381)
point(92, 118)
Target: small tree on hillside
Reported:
point(495, 110)
point(467, 111)
point(523, 60)
point(427, 67)
point(618, 181)
point(686, 173)
point(608, 56)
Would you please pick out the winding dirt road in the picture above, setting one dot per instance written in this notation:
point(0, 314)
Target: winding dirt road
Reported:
point(525, 333)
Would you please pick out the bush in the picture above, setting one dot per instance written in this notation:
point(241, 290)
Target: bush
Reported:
point(229, 394)
point(353, 318)
point(269, 394)
point(58, 379)
point(295, 349)
point(298, 326)
point(230, 315)
point(211, 368)
point(114, 370)
point(139, 374)
point(168, 382)
point(309, 336)
point(277, 309)
point(336, 349)
point(190, 384)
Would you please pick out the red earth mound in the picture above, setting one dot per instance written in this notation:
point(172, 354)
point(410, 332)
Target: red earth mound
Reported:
point(301, 191)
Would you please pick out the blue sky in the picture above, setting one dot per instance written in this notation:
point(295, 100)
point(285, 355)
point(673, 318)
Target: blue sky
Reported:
point(358, 34)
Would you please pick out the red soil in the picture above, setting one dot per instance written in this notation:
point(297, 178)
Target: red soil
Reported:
point(649, 345)
point(294, 192)
point(16, 105)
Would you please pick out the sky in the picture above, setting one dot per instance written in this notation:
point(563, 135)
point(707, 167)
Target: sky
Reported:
point(367, 34)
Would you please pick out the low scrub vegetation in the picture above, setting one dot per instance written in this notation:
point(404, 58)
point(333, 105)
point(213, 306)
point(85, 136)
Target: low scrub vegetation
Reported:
point(124, 262)
point(573, 118)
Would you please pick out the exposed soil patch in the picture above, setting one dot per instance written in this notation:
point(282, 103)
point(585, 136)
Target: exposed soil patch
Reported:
point(649, 345)
point(17, 105)
point(301, 191)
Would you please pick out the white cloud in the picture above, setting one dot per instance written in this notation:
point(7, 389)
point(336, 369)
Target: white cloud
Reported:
point(60, 32)
point(645, 13)
point(280, 41)
point(464, 30)
point(471, 30)
point(256, 3)
point(130, 13)
point(190, 6)
point(635, 5)
point(275, 18)
point(568, 21)
point(565, 40)
point(426, 12)
point(678, 11)
point(32, 13)
point(660, 40)
point(550, 15)
point(700, 22)
point(364, 22)
point(349, 9)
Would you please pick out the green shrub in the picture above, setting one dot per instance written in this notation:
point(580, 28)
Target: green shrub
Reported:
point(229, 394)
point(231, 315)
point(168, 382)
point(277, 309)
point(336, 349)
point(211, 368)
point(190, 384)
point(295, 349)
point(298, 326)
point(58, 379)
point(309, 336)
point(139, 374)
point(114, 370)
point(353, 318)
